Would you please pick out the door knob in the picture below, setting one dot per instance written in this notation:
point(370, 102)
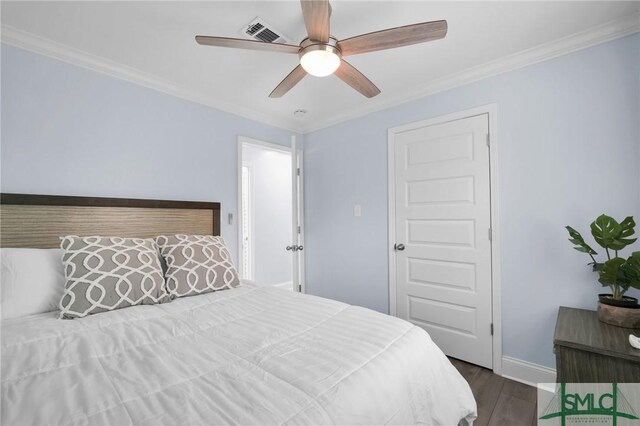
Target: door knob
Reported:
point(289, 248)
point(399, 247)
point(300, 247)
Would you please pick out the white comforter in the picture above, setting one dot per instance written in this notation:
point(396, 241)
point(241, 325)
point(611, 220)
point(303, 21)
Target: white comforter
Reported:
point(243, 356)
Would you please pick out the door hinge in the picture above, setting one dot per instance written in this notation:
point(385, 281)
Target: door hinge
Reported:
point(298, 171)
point(490, 234)
point(298, 229)
point(300, 289)
point(492, 329)
point(488, 140)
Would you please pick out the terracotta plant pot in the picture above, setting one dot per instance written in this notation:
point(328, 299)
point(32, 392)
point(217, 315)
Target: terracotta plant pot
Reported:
point(619, 316)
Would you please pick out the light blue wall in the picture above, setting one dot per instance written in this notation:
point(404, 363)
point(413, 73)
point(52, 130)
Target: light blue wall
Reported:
point(569, 149)
point(71, 131)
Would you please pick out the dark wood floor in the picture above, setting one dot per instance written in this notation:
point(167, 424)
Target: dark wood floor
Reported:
point(500, 401)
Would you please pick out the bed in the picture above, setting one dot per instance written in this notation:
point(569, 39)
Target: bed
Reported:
point(248, 355)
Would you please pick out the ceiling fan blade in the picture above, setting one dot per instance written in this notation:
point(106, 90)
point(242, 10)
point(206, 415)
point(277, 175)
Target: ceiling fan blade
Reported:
point(289, 81)
point(316, 18)
point(394, 37)
point(240, 43)
point(354, 78)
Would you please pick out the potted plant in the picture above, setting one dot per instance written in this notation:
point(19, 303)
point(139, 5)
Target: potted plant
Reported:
point(617, 273)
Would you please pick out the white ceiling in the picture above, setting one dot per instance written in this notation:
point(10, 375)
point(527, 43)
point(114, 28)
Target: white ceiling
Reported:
point(152, 43)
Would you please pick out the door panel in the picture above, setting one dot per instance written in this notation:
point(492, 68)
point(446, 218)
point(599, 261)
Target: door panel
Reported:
point(449, 275)
point(442, 207)
point(460, 320)
point(442, 232)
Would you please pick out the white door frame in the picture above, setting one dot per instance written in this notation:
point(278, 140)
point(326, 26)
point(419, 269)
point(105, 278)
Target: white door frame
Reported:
point(298, 208)
point(492, 111)
point(244, 141)
point(251, 224)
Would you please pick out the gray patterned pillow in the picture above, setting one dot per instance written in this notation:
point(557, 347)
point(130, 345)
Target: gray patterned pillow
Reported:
point(196, 264)
point(107, 273)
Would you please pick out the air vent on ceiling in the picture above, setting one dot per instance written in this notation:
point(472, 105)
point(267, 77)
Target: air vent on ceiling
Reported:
point(259, 30)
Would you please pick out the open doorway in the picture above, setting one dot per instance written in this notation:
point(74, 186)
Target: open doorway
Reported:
point(268, 247)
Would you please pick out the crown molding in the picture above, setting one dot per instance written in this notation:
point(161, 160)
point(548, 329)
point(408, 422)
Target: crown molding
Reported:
point(64, 53)
point(609, 31)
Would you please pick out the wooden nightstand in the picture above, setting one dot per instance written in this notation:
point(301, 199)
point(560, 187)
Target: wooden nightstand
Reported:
point(590, 351)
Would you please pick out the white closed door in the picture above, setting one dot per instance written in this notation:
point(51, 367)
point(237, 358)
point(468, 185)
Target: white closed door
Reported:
point(442, 233)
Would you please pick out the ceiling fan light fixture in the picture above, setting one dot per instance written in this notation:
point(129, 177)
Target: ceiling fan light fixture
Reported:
point(320, 63)
point(321, 59)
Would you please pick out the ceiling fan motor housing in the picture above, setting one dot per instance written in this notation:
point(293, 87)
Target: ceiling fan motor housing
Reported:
point(308, 45)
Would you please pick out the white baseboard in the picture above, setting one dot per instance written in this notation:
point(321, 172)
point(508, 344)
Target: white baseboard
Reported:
point(527, 372)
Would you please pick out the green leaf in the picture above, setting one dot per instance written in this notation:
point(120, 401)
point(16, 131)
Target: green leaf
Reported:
point(578, 241)
point(631, 269)
point(611, 273)
point(605, 231)
point(626, 230)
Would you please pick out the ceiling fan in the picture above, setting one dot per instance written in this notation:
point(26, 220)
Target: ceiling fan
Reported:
point(321, 54)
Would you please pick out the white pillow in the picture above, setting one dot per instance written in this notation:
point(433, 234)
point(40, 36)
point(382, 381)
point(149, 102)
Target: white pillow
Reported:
point(32, 281)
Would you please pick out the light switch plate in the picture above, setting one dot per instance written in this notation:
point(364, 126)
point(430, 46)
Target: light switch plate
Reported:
point(357, 210)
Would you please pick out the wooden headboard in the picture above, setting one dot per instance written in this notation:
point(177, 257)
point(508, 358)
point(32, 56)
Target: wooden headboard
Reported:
point(38, 221)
